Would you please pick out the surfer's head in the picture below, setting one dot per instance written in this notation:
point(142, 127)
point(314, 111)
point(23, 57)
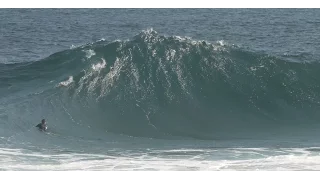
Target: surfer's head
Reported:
point(43, 121)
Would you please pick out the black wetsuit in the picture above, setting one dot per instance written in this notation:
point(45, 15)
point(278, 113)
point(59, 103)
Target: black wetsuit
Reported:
point(42, 127)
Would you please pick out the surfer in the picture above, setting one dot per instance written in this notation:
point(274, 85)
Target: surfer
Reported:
point(42, 126)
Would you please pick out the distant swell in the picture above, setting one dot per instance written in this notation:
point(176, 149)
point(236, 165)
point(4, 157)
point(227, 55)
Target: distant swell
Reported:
point(154, 85)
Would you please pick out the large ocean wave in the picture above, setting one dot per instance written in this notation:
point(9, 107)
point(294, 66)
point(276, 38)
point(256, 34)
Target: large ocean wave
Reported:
point(154, 86)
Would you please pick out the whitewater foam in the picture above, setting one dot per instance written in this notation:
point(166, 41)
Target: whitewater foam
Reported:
point(99, 66)
point(67, 82)
point(175, 159)
point(89, 53)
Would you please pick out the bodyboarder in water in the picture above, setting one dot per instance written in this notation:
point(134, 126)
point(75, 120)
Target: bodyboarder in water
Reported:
point(42, 126)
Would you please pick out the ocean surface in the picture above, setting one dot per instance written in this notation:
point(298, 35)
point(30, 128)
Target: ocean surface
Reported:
point(160, 89)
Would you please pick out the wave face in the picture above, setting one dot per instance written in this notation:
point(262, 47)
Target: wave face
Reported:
point(154, 86)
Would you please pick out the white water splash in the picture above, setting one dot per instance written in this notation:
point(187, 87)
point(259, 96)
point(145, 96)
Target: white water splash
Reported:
point(89, 53)
point(221, 43)
point(67, 82)
point(99, 66)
